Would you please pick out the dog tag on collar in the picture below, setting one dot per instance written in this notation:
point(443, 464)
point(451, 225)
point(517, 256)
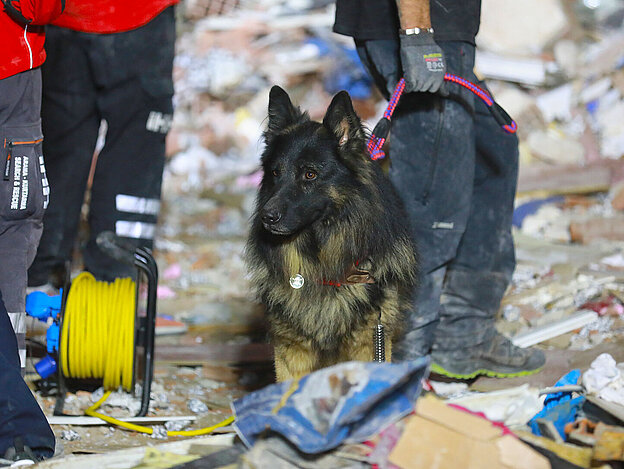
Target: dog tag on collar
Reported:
point(296, 281)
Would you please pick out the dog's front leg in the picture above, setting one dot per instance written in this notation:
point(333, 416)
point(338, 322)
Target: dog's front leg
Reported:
point(292, 361)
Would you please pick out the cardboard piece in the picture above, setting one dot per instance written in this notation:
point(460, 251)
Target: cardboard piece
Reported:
point(439, 436)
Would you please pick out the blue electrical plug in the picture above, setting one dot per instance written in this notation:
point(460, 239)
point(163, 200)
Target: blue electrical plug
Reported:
point(42, 306)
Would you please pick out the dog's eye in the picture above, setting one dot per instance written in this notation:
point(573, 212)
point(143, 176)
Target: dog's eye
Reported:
point(275, 172)
point(310, 175)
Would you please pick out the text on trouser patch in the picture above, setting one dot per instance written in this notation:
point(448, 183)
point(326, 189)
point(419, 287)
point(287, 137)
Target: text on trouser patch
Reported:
point(19, 196)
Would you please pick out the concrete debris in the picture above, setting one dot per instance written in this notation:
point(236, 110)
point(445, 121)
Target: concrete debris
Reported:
point(70, 435)
point(522, 29)
point(176, 425)
point(196, 406)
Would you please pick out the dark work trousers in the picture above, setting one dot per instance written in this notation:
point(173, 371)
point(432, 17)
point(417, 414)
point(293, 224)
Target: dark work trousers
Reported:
point(20, 414)
point(456, 170)
point(22, 186)
point(124, 79)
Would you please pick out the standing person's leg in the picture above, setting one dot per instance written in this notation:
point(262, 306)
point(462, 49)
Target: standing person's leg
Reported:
point(137, 105)
point(22, 203)
point(21, 417)
point(70, 124)
point(467, 343)
point(432, 163)
point(22, 186)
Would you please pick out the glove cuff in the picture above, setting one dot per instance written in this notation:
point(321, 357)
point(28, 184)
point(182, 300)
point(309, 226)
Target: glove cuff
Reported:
point(420, 39)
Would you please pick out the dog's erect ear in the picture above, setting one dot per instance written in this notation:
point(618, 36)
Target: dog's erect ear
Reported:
point(282, 113)
point(342, 120)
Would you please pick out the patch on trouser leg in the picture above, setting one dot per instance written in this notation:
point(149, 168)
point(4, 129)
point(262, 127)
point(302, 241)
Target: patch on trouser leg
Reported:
point(135, 229)
point(140, 205)
point(18, 321)
point(443, 225)
point(44, 183)
point(159, 122)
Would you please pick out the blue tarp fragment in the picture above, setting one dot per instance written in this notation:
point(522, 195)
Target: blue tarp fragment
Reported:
point(345, 403)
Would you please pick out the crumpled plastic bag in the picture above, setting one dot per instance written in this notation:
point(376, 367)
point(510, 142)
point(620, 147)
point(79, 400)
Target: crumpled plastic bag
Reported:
point(604, 379)
point(345, 403)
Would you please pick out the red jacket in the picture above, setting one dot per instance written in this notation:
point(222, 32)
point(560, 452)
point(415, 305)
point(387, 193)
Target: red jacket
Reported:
point(110, 16)
point(21, 41)
point(21, 33)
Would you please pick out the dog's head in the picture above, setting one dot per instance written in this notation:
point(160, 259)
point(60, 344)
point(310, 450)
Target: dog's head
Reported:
point(309, 167)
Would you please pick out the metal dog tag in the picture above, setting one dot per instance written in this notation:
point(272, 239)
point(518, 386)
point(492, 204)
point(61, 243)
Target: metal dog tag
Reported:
point(297, 281)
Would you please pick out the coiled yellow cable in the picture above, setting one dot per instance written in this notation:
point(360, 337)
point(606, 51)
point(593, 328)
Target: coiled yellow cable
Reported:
point(98, 335)
point(97, 338)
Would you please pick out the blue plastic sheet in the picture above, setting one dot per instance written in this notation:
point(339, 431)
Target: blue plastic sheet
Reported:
point(560, 407)
point(345, 403)
point(531, 207)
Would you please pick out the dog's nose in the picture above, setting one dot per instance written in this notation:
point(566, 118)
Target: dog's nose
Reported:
point(271, 217)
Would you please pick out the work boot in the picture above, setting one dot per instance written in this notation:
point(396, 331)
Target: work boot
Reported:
point(497, 357)
point(467, 343)
point(19, 455)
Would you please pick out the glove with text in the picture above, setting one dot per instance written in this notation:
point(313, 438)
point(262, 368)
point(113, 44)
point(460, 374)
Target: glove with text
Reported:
point(423, 63)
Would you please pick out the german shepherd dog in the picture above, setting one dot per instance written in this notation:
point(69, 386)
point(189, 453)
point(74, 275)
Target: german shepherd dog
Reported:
point(329, 252)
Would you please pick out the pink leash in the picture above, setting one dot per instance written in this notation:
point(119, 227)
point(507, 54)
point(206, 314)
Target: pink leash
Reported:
point(382, 129)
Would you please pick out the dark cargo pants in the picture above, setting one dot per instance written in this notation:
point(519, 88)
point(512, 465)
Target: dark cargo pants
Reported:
point(124, 79)
point(456, 171)
point(20, 415)
point(22, 203)
point(22, 186)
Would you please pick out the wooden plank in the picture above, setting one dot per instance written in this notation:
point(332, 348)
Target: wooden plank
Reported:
point(223, 354)
point(83, 420)
point(567, 179)
point(597, 228)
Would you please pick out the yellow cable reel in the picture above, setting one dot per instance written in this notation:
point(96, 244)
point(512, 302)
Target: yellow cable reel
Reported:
point(97, 341)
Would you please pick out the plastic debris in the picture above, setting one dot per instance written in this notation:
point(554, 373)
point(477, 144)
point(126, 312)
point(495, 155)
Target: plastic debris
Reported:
point(513, 406)
point(560, 408)
point(605, 379)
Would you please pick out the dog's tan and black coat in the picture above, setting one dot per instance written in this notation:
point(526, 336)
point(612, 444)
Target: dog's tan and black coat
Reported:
point(326, 212)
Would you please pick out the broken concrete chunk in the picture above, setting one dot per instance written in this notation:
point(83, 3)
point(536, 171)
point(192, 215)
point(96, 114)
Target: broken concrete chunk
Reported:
point(521, 28)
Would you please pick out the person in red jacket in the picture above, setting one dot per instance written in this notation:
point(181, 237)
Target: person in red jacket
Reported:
point(24, 430)
point(109, 67)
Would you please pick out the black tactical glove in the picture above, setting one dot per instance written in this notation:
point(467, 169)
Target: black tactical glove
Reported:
point(423, 62)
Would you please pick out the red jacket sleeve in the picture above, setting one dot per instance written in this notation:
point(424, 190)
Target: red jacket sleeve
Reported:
point(35, 12)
